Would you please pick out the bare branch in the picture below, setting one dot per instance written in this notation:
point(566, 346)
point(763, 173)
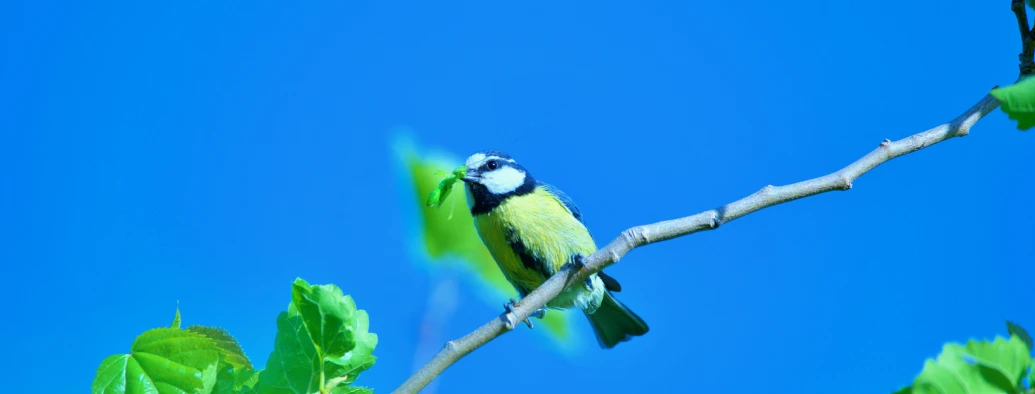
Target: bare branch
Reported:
point(1027, 37)
point(647, 234)
point(1022, 18)
point(768, 196)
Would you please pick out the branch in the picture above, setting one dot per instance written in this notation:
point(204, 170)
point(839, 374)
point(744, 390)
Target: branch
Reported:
point(708, 220)
point(643, 235)
point(1027, 38)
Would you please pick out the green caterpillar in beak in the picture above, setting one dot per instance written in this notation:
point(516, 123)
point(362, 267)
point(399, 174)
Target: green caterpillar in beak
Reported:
point(439, 194)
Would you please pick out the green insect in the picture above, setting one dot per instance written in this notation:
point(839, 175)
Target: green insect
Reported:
point(445, 186)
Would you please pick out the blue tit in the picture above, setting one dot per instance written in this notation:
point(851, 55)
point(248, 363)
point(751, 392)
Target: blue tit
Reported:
point(532, 229)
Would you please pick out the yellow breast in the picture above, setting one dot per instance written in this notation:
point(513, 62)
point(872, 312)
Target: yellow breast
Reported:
point(543, 225)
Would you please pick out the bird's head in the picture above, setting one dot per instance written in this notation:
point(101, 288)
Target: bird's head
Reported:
point(492, 177)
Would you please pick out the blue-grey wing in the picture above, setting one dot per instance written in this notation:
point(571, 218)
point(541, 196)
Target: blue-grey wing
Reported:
point(567, 201)
point(609, 283)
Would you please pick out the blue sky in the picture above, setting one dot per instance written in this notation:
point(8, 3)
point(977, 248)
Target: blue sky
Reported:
point(208, 154)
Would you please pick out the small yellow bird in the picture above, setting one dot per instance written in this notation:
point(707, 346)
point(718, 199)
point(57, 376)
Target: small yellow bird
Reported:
point(532, 229)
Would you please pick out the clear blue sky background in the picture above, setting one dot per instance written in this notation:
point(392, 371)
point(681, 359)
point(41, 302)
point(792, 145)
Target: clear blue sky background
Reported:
point(211, 153)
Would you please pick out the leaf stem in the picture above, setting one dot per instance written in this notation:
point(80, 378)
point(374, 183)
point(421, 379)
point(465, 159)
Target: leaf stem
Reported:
point(323, 375)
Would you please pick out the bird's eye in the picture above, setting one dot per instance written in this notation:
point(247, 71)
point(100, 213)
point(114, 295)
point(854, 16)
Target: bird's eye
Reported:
point(492, 164)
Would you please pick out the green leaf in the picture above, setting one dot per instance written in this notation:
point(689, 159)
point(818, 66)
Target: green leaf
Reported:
point(209, 375)
point(1031, 3)
point(290, 367)
point(997, 379)
point(176, 319)
point(299, 364)
point(162, 360)
point(327, 315)
point(224, 378)
point(977, 367)
point(111, 375)
point(1031, 380)
point(361, 357)
point(1018, 102)
point(352, 390)
point(294, 362)
point(230, 349)
point(246, 378)
point(235, 370)
point(951, 374)
point(1020, 332)
point(1009, 357)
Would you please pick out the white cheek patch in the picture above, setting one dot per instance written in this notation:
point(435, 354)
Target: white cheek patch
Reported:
point(503, 180)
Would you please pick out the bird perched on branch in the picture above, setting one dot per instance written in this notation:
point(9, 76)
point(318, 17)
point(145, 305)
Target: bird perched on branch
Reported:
point(532, 229)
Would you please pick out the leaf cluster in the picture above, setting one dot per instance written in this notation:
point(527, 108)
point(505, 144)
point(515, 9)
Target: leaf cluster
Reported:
point(322, 344)
point(1019, 102)
point(1018, 99)
point(999, 366)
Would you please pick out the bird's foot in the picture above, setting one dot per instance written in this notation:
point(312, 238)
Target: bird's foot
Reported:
point(578, 261)
point(509, 307)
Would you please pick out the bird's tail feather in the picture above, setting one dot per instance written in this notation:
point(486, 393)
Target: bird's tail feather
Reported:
point(614, 323)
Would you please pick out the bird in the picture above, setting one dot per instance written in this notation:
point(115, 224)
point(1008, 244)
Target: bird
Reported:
point(532, 229)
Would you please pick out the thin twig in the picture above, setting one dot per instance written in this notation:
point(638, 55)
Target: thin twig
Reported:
point(642, 235)
point(1028, 54)
point(1027, 37)
point(1022, 18)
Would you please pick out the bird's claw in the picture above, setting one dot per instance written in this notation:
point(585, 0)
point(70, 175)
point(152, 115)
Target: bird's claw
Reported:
point(509, 307)
point(539, 313)
point(578, 261)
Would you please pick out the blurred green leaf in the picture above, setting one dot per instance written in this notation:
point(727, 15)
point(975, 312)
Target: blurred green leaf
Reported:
point(1020, 332)
point(977, 367)
point(951, 374)
point(1009, 357)
point(162, 360)
point(1018, 102)
point(448, 235)
point(456, 237)
point(1031, 380)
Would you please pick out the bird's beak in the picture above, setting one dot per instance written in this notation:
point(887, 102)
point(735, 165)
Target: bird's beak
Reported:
point(471, 176)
